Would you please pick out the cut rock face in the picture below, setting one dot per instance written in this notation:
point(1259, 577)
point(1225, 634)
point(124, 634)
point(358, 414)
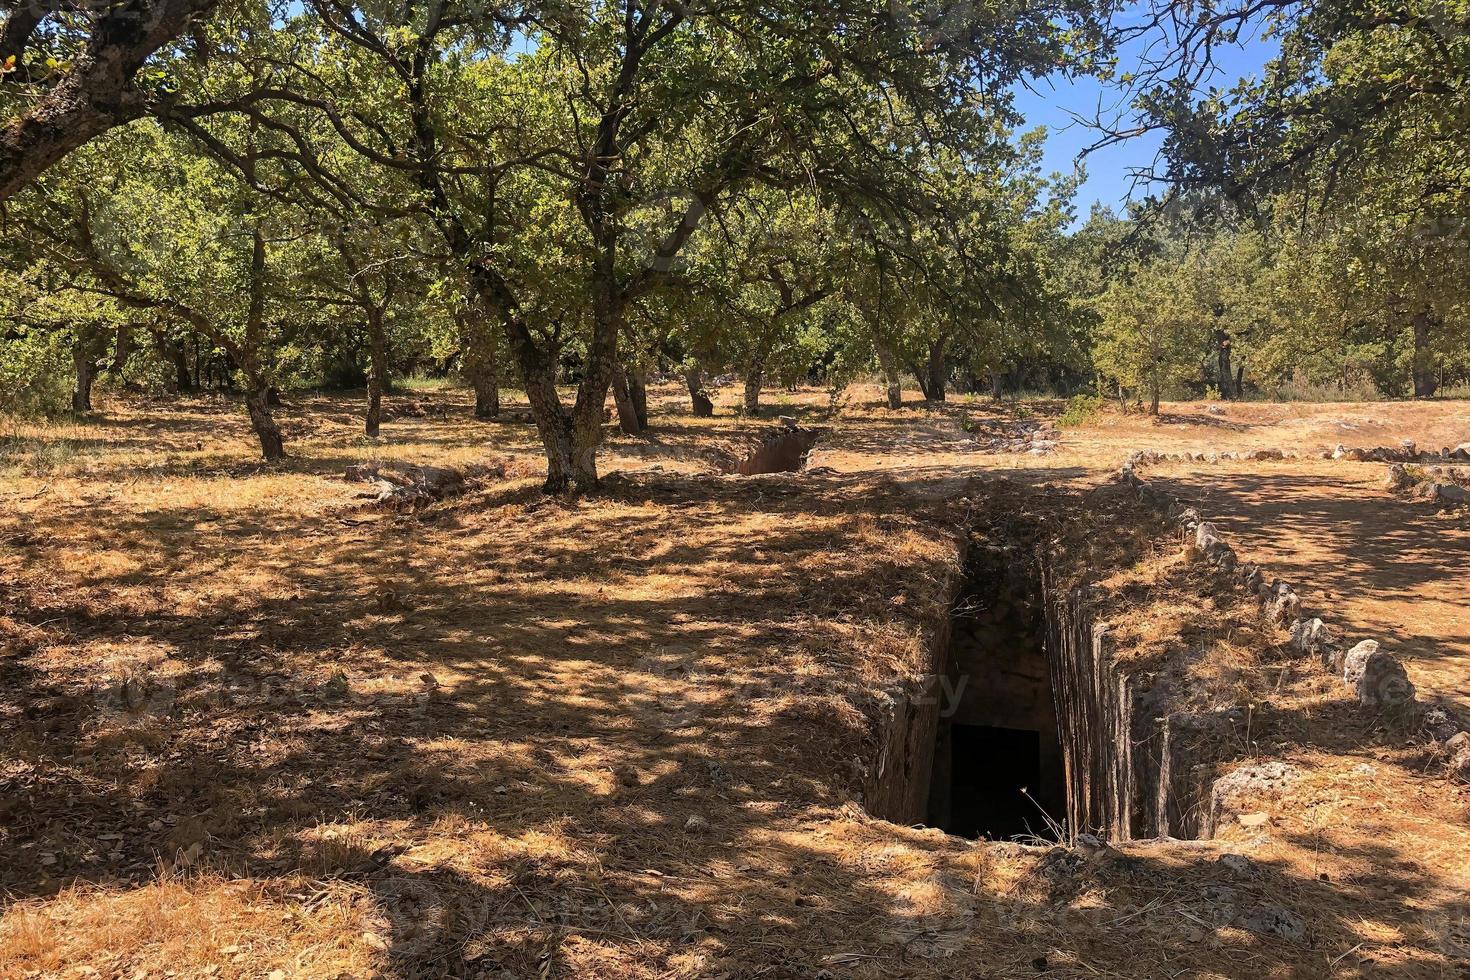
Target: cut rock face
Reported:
point(784, 451)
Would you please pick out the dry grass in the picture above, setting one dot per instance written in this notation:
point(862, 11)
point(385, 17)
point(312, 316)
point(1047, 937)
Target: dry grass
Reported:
point(609, 737)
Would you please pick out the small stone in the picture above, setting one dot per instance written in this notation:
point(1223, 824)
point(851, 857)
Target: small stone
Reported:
point(1218, 894)
point(1440, 726)
point(1458, 749)
point(1260, 454)
point(1272, 920)
point(696, 824)
point(626, 775)
point(1238, 865)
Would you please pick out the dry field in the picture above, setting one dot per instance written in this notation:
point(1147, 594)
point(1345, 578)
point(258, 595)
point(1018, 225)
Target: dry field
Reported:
point(253, 730)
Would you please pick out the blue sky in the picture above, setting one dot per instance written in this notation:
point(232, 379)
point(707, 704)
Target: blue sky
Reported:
point(1054, 101)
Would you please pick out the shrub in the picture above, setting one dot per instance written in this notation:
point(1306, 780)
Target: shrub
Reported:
point(1080, 410)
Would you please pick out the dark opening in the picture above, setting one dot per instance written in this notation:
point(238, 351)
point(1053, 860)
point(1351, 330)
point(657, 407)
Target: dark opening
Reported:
point(997, 731)
point(992, 769)
point(783, 452)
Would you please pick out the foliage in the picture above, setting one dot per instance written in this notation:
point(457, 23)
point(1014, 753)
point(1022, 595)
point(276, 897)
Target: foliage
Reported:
point(1080, 410)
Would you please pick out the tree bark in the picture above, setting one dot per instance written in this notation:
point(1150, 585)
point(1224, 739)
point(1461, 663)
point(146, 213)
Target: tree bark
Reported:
point(1425, 381)
point(891, 377)
point(377, 371)
point(86, 373)
point(937, 372)
point(257, 403)
point(1222, 354)
point(487, 396)
point(754, 378)
point(481, 358)
point(1153, 399)
point(638, 391)
point(997, 386)
point(182, 379)
point(699, 400)
point(628, 418)
point(97, 93)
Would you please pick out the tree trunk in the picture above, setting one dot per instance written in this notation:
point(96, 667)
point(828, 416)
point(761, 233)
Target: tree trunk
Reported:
point(487, 396)
point(182, 379)
point(1153, 399)
point(754, 377)
point(1239, 381)
point(481, 361)
point(937, 372)
point(638, 391)
point(700, 402)
point(257, 403)
point(891, 378)
point(377, 371)
point(589, 412)
point(1222, 353)
point(997, 386)
point(628, 419)
point(86, 373)
point(1425, 381)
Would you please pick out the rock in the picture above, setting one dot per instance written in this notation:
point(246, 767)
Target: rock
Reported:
point(1205, 536)
point(626, 775)
point(1383, 682)
point(1272, 920)
point(1397, 477)
point(696, 824)
point(1408, 446)
point(1451, 493)
point(1266, 454)
point(1238, 865)
point(1310, 635)
point(1282, 604)
point(1218, 894)
point(1439, 725)
point(1339, 452)
point(1235, 795)
point(1356, 660)
point(1457, 748)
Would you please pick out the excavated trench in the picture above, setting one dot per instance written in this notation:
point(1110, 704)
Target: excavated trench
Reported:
point(784, 451)
point(1027, 727)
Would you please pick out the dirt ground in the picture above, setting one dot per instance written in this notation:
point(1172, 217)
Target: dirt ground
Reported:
point(253, 730)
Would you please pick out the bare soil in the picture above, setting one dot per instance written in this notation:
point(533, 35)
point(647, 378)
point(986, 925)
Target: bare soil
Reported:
point(253, 730)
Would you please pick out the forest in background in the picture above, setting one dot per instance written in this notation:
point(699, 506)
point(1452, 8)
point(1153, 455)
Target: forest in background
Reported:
point(253, 198)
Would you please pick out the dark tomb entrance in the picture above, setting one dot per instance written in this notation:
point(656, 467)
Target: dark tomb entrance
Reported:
point(997, 756)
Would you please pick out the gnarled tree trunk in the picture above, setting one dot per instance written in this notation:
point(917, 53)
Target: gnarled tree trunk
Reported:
point(638, 391)
point(481, 346)
point(85, 366)
point(97, 92)
point(754, 378)
point(629, 421)
point(700, 402)
point(257, 403)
